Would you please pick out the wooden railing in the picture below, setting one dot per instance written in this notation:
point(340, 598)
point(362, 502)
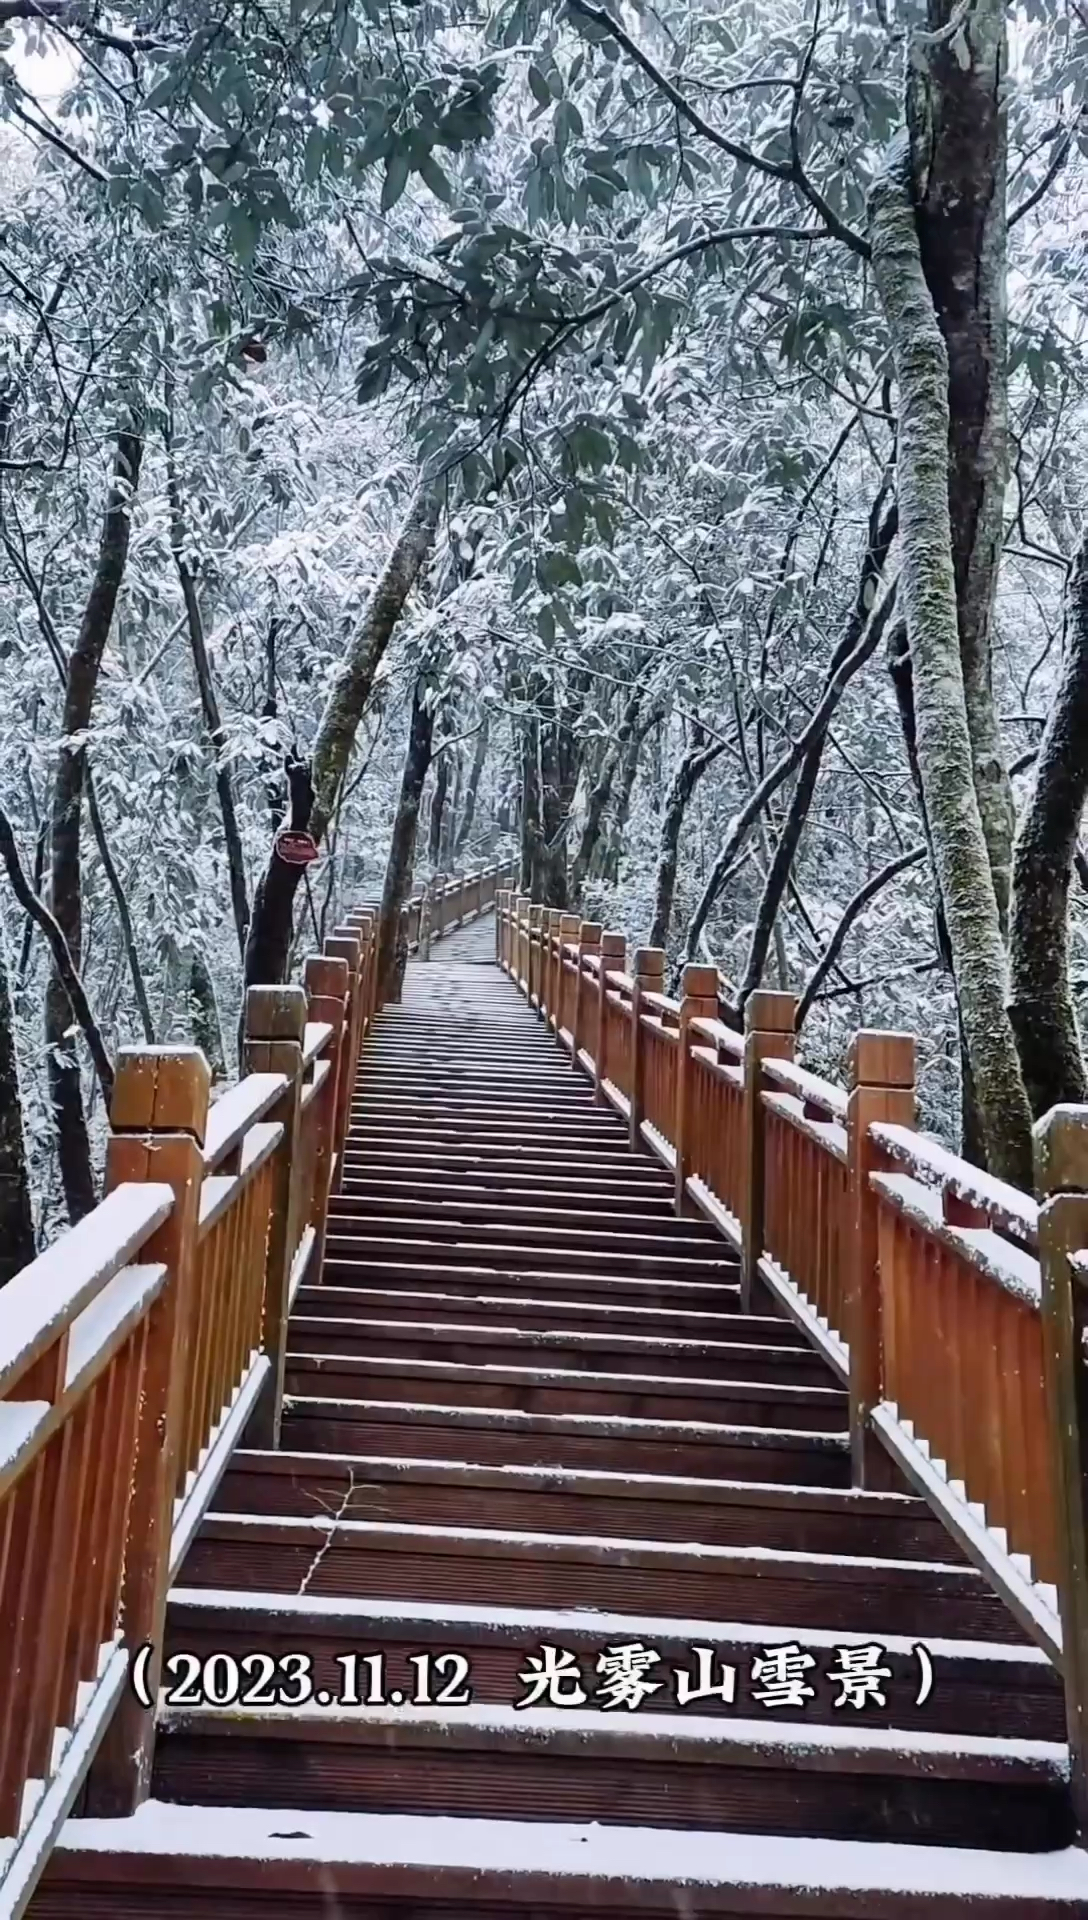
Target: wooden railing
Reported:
point(448, 902)
point(954, 1308)
point(135, 1352)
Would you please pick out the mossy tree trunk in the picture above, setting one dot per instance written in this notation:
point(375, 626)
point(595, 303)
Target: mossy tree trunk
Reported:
point(929, 598)
point(957, 109)
point(1041, 1003)
point(66, 871)
point(17, 1248)
point(315, 788)
point(402, 846)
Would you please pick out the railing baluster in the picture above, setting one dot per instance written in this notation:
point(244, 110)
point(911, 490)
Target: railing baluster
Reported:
point(1061, 1176)
point(648, 971)
point(157, 1121)
point(882, 1089)
point(613, 954)
point(275, 1030)
point(699, 988)
point(768, 1034)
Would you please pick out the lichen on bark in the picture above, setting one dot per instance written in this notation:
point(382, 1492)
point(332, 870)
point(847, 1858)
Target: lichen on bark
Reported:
point(929, 598)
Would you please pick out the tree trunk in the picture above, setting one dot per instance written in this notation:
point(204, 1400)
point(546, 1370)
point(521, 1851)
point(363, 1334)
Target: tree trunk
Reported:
point(882, 531)
point(685, 779)
point(472, 790)
point(599, 795)
point(398, 871)
point(271, 927)
point(204, 1013)
point(17, 1248)
point(628, 769)
point(66, 879)
point(958, 116)
point(209, 701)
point(928, 590)
point(1040, 1000)
point(439, 796)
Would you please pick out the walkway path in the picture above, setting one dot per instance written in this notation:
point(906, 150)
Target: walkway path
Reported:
point(531, 1448)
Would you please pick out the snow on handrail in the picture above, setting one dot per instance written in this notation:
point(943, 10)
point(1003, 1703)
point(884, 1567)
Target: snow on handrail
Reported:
point(47, 1296)
point(1009, 1210)
point(233, 1115)
point(808, 1087)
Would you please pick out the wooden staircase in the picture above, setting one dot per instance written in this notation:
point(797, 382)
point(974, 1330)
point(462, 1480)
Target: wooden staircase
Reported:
point(524, 1412)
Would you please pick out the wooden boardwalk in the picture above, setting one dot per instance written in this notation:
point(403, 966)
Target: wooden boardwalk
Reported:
point(533, 1452)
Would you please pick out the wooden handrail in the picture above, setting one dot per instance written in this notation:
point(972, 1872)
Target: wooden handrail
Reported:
point(133, 1354)
point(954, 1307)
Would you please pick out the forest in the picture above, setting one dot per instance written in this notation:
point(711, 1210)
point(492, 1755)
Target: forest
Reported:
point(645, 441)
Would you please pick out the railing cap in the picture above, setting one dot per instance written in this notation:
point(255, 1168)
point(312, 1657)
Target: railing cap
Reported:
point(276, 1013)
point(326, 974)
point(161, 1090)
point(699, 983)
point(768, 1012)
point(1061, 1151)
point(613, 943)
point(648, 963)
point(880, 1059)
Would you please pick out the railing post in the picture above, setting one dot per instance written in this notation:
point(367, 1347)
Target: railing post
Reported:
point(881, 1090)
point(500, 909)
point(1061, 1179)
point(568, 931)
point(613, 954)
point(327, 983)
point(768, 1034)
point(649, 976)
point(699, 1001)
point(553, 953)
point(536, 950)
point(274, 1034)
point(363, 921)
point(157, 1120)
point(521, 905)
point(343, 944)
point(423, 948)
point(589, 941)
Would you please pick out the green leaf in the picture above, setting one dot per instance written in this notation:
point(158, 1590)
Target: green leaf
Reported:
point(539, 87)
point(430, 171)
point(396, 178)
point(314, 158)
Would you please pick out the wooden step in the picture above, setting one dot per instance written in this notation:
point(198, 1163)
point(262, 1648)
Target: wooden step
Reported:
point(599, 1349)
point(496, 1275)
point(328, 1306)
point(495, 1435)
point(566, 1500)
point(682, 1772)
point(374, 1559)
point(542, 1389)
point(181, 1863)
point(388, 1187)
point(578, 1217)
point(370, 1241)
point(975, 1687)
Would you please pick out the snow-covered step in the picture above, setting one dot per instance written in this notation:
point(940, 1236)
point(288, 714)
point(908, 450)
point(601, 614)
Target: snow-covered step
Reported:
point(306, 1865)
point(369, 1243)
point(396, 1368)
point(336, 1309)
point(681, 1771)
point(622, 1503)
point(444, 1430)
point(496, 1270)
point(785, 1672)
point(335, 1555)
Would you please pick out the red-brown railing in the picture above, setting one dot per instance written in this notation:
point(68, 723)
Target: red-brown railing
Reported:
point(953, 1307)
point(135, 1352)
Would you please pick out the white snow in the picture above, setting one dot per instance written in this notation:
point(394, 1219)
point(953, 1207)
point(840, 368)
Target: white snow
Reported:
point(524, 1849)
